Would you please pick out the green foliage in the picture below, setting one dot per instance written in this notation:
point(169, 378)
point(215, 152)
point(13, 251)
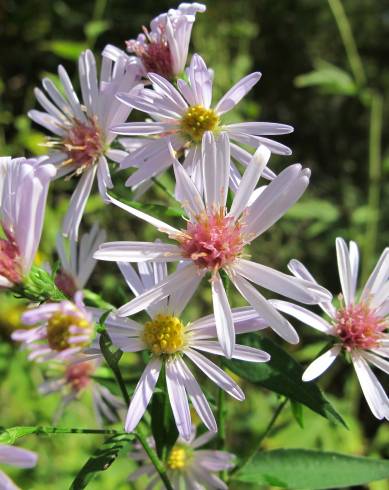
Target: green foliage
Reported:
point(282, 374)
point(313, 470)
point(39, 286)
point(329, 78)
point(102, 459)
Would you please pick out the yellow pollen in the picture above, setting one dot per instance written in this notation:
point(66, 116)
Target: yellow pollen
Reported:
point(178, 458)
point(197, 120)
point(164, 334)
point(58, 330)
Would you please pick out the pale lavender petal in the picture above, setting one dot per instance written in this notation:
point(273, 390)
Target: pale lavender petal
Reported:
point(142, 394)
point(321, 364)
point(223, 317)
point(237, 92)
point(303, 315)
point(178, 399)
point(344, 268)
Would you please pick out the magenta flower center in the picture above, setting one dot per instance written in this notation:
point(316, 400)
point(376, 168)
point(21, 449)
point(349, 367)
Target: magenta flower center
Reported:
point(78, 376)
point(10, 261)
point(359, 327)
point(83, 144)
point(155, 55)
point(213, 242)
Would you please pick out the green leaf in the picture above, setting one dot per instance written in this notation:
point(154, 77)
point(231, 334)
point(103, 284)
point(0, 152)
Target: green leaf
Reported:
point(69, 50)
point(283, 375)
point(163, 426)
point(317, 209)
point(298, 414)
point(101, 460)
point(331, 79)
point(313, 470)
point(94, 28)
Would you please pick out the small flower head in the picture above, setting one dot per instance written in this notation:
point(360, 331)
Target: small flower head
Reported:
point(187, 465)
point(165, 334)
point(83, 143)
point(68, 327)
point(214, 241)
point(78, 375)
point(64, 330)
point(180, 457)
point(164, 48)
point(359, 327)
point(196, 121)
point(23, 192)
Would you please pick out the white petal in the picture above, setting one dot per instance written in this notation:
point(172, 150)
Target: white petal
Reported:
point(321, 364)
point(178, 400)
point(277, 322)
point(197, 397)
point(249, 180)
point(160, 225)
point(344, 268)
point(138, 252)
point(377, 361)
point(188, 195)
point(223, 317)
point(216, 374)
point(289, 286)
point(378, 277)
point(173, 282)
point(237, 92)
point(302, 314)
point(242, 352)
point(142, 394)
point(354, 265)
point(216, 169)
point(374, 393)
point(77, 204)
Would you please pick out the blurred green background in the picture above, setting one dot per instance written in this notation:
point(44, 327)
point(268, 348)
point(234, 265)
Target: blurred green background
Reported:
point(334, 98)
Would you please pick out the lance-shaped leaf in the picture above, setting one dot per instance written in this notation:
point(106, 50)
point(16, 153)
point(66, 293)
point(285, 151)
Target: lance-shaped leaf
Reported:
point(283, 375)
point(313, 470)
point(101, 460)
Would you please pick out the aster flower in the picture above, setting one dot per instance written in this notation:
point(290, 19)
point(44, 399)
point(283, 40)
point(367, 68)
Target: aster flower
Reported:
point(15, 456)
point(187, 465)
point(164, 48)
point(82, 137)
point(214, 240)
point(77, 262)
point(75, 379)
point(359, 326)
point(23, 193)
point(170, 343)
point(182, 116)
point(64, 330)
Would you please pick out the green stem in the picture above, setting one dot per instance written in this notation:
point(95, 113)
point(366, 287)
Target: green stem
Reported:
point(94, 299)
point(348, 40)
point(157, 463)
point(263, 436)
point(164, 188)
point(375, 138)
point(221, 416)
point(112, 360)
point(9, 436)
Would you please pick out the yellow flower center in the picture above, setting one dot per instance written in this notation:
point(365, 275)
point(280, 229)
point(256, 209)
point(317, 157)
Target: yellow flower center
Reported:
point(58, 330)
point(164, 334)
point(178, 458)
point(197, 120)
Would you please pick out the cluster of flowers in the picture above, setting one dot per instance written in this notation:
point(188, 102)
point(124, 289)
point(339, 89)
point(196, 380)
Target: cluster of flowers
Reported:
point(186, 130)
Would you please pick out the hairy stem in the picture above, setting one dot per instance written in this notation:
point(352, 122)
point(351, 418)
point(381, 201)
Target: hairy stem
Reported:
point(157, 463)
point(263, 436)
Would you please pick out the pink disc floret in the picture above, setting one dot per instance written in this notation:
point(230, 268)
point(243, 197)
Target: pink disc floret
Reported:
point(213, 241)
point(10, 260)
point(154, 53)
point(359, 327)
point(83, 144)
